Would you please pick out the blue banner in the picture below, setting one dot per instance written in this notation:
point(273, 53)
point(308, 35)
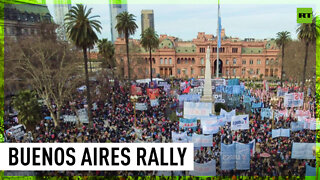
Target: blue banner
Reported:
point(220, 89)
point(227, 157)
point(233, 82)
point(189, 98)
point(255, 105)
point(205, 169)
point(297, 126)
point(236, 90)
point(280, 133)
point(242, 156)
point(246, 99)
point(202, 140)
point(188, 123)
point(266, 113)
point(310, 171)
point(303, 151)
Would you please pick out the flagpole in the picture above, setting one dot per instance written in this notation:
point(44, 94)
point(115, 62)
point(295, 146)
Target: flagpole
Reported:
point(217, 63)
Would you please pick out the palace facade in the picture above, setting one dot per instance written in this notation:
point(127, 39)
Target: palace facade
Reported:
point(246, 58)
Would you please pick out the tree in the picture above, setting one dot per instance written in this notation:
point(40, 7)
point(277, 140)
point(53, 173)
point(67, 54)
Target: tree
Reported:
point(149, 41)
point(81, 28)
point(307, 33)
point(282, 39)
point(26, 103)
point(126, 25)
point(106, 50)
point(48, 67)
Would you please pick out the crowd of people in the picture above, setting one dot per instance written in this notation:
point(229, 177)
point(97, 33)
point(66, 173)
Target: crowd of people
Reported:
point(116, 122)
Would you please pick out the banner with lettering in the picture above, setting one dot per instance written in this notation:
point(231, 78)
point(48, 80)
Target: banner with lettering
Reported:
point(232, 82)
point(141, 106)
point(297, 126)
point(246, 99)
point(240, 122)
point(218, 98)
point(136, 90)
point(218, 82)
point(189, 98)
point(209, 127)
point(205, 169)
point(227, 156)
point(257, 105)
point(69, 118)
point(220, 89)
point(302, 115)
point(282, 91)
point(280, 133)
point(202, 140)
point(303, 151)
point(228, 115)
point(153, 93)
point(188, 123)
point(83, 116)
point(293, 100)
point(154, 102)
point(197, 109)
point(266, 113)
point(242, 156)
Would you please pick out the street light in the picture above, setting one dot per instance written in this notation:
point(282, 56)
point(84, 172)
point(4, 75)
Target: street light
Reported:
point(134, 99)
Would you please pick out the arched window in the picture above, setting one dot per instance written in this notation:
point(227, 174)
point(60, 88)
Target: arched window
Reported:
point(161, 61)
point(186, 61)
point(193, 61)
point(202, 61)
point(170, 61)
point(267, 61)
point(178, 61)
point(271, 62)
point(165, 61)
point(234, 61)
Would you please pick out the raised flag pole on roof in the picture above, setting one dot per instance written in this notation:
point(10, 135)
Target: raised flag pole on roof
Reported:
point(219, 39)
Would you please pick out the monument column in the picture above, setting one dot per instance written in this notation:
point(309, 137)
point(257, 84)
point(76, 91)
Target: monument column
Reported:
point(207, 89)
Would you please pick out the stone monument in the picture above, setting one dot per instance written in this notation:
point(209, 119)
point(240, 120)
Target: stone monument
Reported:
point(207, 90)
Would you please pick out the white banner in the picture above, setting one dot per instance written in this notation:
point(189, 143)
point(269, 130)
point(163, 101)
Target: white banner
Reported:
point(69, 118)
point(179, 138)
point(293, 100)
point(202, 140)
point(83, 116)
point(205, 169)
point(228, 115)
point(240, 122)
point(192, 109)
point(303, 151)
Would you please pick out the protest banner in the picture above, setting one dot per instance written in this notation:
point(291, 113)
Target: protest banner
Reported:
point(162, 83)
point(310, 171)
point(236, 90)
point(197, 109)
point(210, 127)
point(232, 82)
point(302, 115)
point(242, 156)
point(240, 122)
point(293, 100)
point(256, 105)
point(218, 82)
point(282, 91)
point(189, 98)
point(297, 126)
point(153, 93)
point(188, 123)
point(310, 124)
point(228, 115)
point(83, 116)
point(280, 133)
point(179, 138)
point(228, 157)
point(136, 90)
point(154, 102)
point(141, 106)
point(202, 140)
point(220, 89)
point(266, 113)
point(303, 151)
point(205, 169)
point(252, 145)
point(17, 131)
point(246, 99)
point(69, 118)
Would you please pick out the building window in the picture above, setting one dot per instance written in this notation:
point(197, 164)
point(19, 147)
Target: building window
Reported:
point(192, 71)
point(258, 71)
point(267, 61)
point(234, 61)
point(221, 50)
point(193, 61)
point(170, 61)
point(154, 61)
point(275, 72)
point(271, 62)
point(165, 61)
point(185, 71)
point(153, 70)
point(147, 71)
point(251, 71)
point(202, 50)
point(202, 61)
point(243, 71)
point(258, 61)
point(178, 70)
point(178, 61)
point(276, 61)
point(202, 71)
point(234, 50)
point(161, 61)
point(234, 71)
point(251, 61)
point(243, 61)
point(227, 72)
point(186, 61)
point(227, 62)
point(214, 50)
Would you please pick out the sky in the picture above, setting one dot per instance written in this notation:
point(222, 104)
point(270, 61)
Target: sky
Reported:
point(184, 21)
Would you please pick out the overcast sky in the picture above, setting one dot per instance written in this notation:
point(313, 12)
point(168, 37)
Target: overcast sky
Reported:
point(186, 20)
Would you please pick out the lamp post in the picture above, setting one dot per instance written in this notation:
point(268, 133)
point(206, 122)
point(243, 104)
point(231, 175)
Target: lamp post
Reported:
point(134, 99)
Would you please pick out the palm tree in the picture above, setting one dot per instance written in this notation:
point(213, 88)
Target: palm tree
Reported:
point(81, 28)
point(149, 41)
point(307, 33)
point(126, 25)
point(282, 39)
point(106, 50)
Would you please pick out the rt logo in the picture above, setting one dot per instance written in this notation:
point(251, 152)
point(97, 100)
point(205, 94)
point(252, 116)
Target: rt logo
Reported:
point(304, 15)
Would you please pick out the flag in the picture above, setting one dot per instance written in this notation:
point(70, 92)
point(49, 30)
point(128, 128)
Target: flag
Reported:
point(219, 25)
